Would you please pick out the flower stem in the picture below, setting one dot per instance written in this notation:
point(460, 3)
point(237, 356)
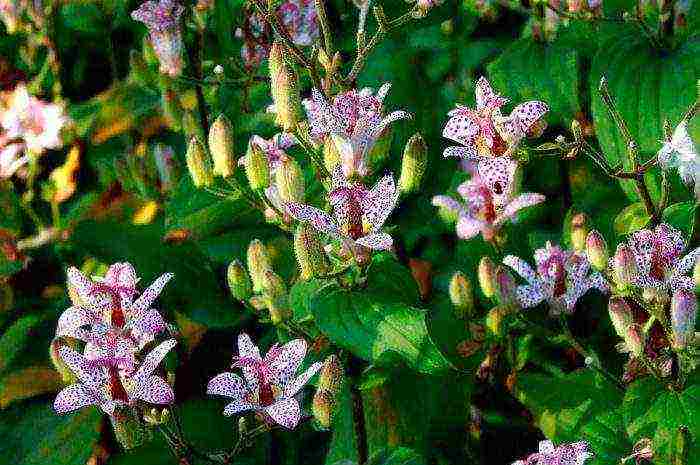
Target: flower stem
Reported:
point(358, 412)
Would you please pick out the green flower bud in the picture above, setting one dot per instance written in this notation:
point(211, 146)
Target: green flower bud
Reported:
point(487, 277)
point(289, 180)
point(258, 264)
point(276, 297)
point(285, 90)
point(198, 164)
point(128, 427)
point(634, 340)
point(505, 288)
point(579, 230)
point(461, 295)
point(221, 147)
point(331, 376)
point(238, 281)
point(323, 406)
point(624, 267)
point(620, 315)
point(257, 169)
point(597, 250)
point(331, 156)
point(415, 159)
point(494, 320)
point(311, 257)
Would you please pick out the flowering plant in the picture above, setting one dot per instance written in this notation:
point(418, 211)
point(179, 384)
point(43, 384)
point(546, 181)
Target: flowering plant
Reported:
point(351, 233)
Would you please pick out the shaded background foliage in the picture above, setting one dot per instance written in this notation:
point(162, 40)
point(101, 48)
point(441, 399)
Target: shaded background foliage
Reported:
point(423, 414)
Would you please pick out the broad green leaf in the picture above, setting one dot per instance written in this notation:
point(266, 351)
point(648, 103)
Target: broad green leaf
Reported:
point(15, 338)
point(680, 216)
point(27, 382)
point(631, 219)
point(652, 410)
point(33, 434)
point(529, 70)
point(82, 16)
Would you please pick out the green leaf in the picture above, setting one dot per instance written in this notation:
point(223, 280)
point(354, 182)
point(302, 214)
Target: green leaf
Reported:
point(33, 434)
point(529, 70)
point(651, 410)
point(83, 17)
point(680, 216)
point(15, 338)
point(631, 219)
point(398, 456)
point(10, 209)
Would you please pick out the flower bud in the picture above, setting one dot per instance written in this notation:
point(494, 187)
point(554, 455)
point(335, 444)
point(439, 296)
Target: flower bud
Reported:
point(323, 405)
point(486, 274)
point(461, 295)
point(198, 164)
point(415, 159)
point(221, 146)
point(275, 294)
point(494, 320)
point(258, 264)
point(576, 130)
point(256, 168)
point(311, 257)
point(597, 250)
point(579, 229)
point(285, 91)
point(696, 275)
point(238, 281)
point(624, 266)
point(505, 288)
point(331, 156)
point(128, 427)
point(684, 309)
point(620, 315)
point(634, 339)
point(289, 180)
point(331, 376)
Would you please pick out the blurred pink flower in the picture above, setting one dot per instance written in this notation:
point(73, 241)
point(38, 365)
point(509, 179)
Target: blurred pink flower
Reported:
point(561, 278)
point(162, 18)
point(105, 385)
point(358, 213)
point(354, 120)
point(269, 385)
point(488, 201)
point(574, 453)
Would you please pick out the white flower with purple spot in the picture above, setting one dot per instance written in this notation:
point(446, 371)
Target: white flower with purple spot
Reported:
point(162, 18)
point(269, 385)
point(574, 453)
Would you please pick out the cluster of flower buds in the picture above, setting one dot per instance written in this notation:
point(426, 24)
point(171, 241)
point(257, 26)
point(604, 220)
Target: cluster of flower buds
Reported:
point(574, 453)
point(222, 162)
point(269, 385)
point(113, 371)
point(358, 215)
point(330, 381)
point(300, 19)
point(352, 122)
point(561, 277)
point(162, 18)
point(29, 127)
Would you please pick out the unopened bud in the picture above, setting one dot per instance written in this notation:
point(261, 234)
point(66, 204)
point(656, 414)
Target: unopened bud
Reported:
point(415, 159)
point(597, 250)
point(634, 339)
point(308, 249)
point(331, 156)
point(461, 295)
point(221, 146)
point(696, 275)
point(198, 164)
point(258, 264)
point(494, 320)
point(331, 376)
point(487, 277)
point(61, 367)
point(579, 229)
point(684, 309)
point(576, 130)
point(323, 405)
point(505, 288)
point(128, 427)
point(257, 169)
point(620, 315)
point(624, 266)
point(289, 180)
point(275, 294)
point(238, 281)
point(285, 90)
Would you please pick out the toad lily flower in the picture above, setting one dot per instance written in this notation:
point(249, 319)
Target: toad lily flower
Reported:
point(105, 386)
point(483, 132)
point(162, 18)
point(561, 278)
point(274, 148)
point(574, 453)
point(358, 213)
point(354, 121)
point(105, 306)
point(659, 257)
point(269, 385)
point(680, 153)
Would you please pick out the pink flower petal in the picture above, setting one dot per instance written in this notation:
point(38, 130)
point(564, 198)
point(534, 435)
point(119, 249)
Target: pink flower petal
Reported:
point(521, 267)
point(72, 320)
point(153, 359)
point(80, 367)
point(149, 295)
point(465, 152)
point(379, 202)
point(486, 97)
point(154, 390)
point(285, 361)
point(319, 219)
point(74, 397)
point(461, 127)
point(526, 114)
point(294, 387)
point(520, 202)
point(376, 241)
point(227, 384)
point(285, 412)
point(236, 406)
